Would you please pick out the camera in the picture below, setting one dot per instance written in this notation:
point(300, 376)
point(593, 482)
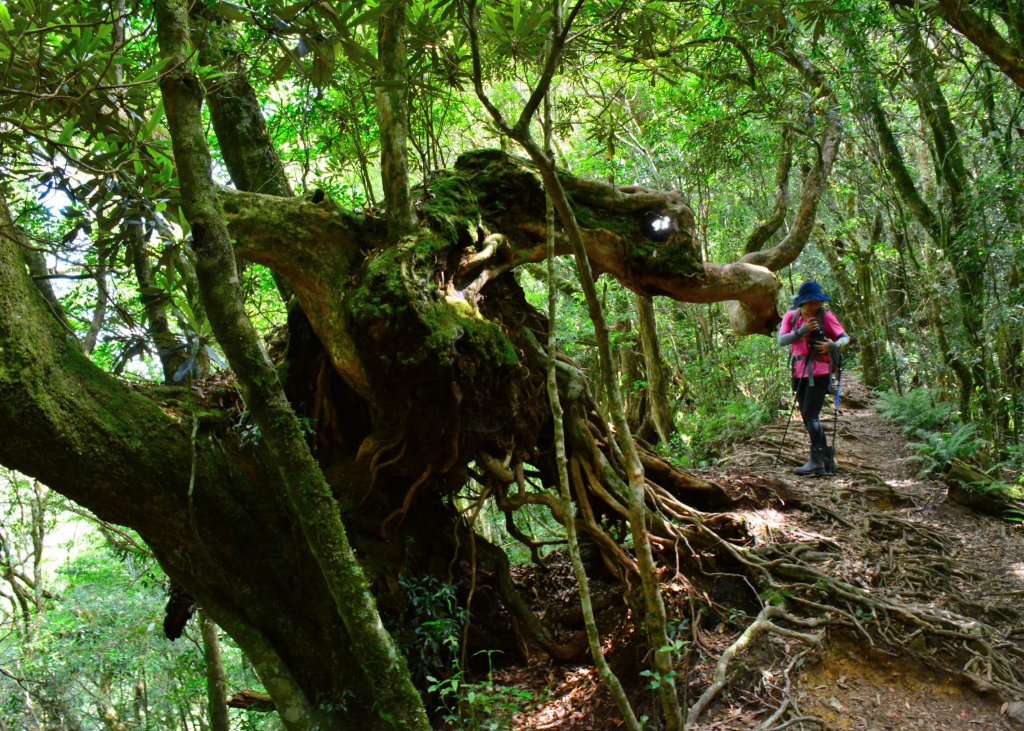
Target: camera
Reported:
point(813, 338)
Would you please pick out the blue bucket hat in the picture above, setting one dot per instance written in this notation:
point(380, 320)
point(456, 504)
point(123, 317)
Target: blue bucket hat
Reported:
point(810, 292)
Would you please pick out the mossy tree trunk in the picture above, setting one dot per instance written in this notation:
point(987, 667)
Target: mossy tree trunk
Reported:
point(1007, 53)
point(659, 400)
point(858, 292)
point(216, 690)
point(396, 703)
point(392, 98)
point(416, 360)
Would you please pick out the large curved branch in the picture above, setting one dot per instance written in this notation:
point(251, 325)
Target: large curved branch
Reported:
point(191, 496)
point(750, 283)
point(315, 247)
point(50, 394)
point(312, 246)
point(892, 159)
point(295, 235)
point(787, 250)
point(766, 228)
point(978, 31)
point(751, 286)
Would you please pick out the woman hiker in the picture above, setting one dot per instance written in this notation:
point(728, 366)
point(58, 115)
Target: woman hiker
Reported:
point(814, 336)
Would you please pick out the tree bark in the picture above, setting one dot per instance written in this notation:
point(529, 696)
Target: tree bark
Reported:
point(393, 120)
point(36, 262)
point(979, 31)
point(216, 691)
point(895, 165)
point(660, 403)
point(100, 310)
point(141, 459)
point(398, 704)
point(956, 239)
point(170, 350)
point(238, 123)
point(857, 290)
point(767, 228)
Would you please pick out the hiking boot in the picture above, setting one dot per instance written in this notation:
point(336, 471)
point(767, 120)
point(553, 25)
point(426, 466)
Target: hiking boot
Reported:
point(816, 465)
point(829, 460)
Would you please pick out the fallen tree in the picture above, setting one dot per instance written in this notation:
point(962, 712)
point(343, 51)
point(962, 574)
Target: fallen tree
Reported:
point(415, 356)
point(421, 366)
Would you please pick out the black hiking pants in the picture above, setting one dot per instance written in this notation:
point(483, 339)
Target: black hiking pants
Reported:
point(811, 399)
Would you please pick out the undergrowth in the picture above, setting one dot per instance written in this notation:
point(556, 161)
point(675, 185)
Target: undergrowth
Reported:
point(937, 436)
point(480, 705)
point(705, 432)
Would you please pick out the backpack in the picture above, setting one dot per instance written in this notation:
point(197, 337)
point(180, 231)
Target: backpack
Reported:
point(834, 363)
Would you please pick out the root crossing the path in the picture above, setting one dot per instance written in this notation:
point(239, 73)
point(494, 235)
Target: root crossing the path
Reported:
point(883, 605)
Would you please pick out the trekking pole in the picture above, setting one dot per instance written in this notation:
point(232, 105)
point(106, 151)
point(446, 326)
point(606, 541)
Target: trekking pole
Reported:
point(792, 409)
point(796, 400)
point(835, 415)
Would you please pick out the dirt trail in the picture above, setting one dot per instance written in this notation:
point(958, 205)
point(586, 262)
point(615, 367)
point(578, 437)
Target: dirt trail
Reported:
point(900, 535)
point(886, 531)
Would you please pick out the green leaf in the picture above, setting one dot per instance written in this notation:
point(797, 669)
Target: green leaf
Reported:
point(535, 20)
point(497, 22)
point(371, 15)
point(323, 70)
point(290, 11)
point(154, 121)
point(5, 17)
point(819, 29)
point(230, 11)
point(281, 68)
point(67, 131)
point(150, 71)
point(359, 55)
point(183, 222)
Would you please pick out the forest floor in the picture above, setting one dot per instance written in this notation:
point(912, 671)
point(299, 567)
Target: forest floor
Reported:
point(893, 532)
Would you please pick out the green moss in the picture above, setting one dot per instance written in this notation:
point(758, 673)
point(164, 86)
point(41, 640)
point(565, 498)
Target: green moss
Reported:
point(678, 259)
point(382, 292)
point(450, 195)
point(451, 206)
point(400, 317)
point(455, 327)
point(167, 393)
point(405, 320)
point(444, 331)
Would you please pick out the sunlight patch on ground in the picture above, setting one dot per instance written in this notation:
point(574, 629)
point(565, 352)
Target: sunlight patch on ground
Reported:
point(767, 524)
point(1017, 569)
point(772, 526)
point(852, 688)
point(575, 691)
point(897, 484)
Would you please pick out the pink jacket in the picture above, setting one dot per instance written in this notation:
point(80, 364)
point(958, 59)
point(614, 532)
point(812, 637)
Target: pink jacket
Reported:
point(832, 328)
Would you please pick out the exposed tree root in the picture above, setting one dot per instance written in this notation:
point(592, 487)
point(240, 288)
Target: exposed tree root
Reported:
point(695, 522)
point(888, 603)
point(763, 623)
